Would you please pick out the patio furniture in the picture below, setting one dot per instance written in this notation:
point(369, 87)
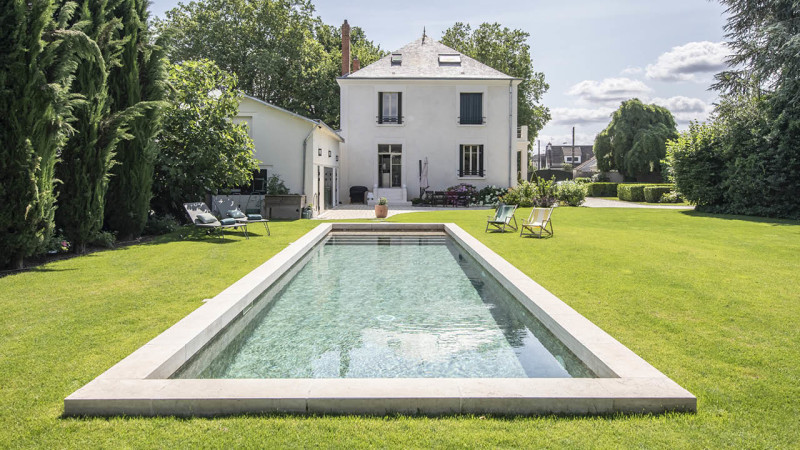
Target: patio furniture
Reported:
point(241, 217)
point(502, 218)
point(358, 194)
point(538, 220)
point(439, 198)
point(202, 218)
point(227, 208)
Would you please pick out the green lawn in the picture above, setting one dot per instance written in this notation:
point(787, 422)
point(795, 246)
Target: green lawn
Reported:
point(713, 302)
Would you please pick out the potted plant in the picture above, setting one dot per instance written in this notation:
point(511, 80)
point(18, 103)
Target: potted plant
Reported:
point(382, 208)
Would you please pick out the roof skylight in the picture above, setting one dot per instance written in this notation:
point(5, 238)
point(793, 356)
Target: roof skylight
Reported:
point(450, 59)
point(397, 59)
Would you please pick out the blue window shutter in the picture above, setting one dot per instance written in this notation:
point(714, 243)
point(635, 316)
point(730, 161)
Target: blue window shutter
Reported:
point(380, 107)
point(399, 107)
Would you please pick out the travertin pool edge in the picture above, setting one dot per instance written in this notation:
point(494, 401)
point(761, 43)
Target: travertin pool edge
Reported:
point(141, 385)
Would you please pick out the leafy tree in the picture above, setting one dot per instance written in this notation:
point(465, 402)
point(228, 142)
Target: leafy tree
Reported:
point(278, 50)
point(138, 83)
point(87, 156)
point(505, 50)
point(760, 109)
point(635, 141)
point(696, 164)
point(201, 148)
point(37, 61)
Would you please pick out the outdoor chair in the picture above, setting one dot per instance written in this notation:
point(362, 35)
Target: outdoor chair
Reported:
point(502, 218)
point(538, 220)
point(202, 218)
point(227, 208)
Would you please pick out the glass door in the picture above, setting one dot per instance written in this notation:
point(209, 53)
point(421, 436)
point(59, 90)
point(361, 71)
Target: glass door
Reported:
point(390, 165)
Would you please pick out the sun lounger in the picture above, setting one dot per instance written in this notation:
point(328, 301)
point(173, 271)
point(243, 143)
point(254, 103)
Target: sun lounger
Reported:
point(202, 218)
point(227, 208)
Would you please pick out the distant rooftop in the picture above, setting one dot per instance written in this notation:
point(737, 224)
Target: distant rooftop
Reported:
point(426, 58)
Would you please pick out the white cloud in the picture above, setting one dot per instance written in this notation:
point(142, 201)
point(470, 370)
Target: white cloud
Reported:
point(609, 90)
point(632, 71)
point(580, 116)
point(684, 62)
point(682, 104)
point(685, 109)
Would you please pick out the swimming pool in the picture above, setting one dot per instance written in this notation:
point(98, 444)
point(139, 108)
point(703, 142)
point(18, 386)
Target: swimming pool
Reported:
point(381, 318)
point(389, 306)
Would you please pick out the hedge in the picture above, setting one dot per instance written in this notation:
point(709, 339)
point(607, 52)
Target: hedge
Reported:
point(602, 189)
point(635, 192)
point(653, 194)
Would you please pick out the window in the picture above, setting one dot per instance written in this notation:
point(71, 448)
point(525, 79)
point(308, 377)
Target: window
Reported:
point(449, 59)
point(571, 160)
point(390, 107)
point(397, 59)
point(470, 161)
point(471, 108)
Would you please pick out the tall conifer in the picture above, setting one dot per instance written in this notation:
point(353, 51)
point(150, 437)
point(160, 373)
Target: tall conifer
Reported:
point(37, 60)
point(138, 82)
point(87, 157)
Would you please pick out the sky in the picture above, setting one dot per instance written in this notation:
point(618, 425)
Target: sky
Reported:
point(594, 54)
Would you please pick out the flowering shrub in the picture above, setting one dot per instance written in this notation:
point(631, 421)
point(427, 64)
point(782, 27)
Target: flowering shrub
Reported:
point(490, 195)
point(542, 193)
point(57, 243)
point(463, 189)
point(571, 193)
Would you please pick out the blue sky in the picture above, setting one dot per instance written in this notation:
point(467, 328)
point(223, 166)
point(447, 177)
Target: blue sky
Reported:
point(593, 53)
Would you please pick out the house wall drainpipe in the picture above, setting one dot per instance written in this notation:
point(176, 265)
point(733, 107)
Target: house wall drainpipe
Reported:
point(510, 132)
point(303, 169)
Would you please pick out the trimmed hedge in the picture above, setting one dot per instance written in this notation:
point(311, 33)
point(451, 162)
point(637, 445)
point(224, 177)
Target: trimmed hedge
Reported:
point(653, 194)
point(631, 192)
point(635, 192)
point(602, 189)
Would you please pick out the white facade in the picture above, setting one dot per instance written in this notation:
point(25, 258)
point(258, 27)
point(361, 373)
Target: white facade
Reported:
point(429, 127)
point(305, 153)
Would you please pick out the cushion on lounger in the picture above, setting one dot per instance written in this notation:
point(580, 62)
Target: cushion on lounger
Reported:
point(254, 217)
point(236, 214)
point(228, 221)
point(205, 218)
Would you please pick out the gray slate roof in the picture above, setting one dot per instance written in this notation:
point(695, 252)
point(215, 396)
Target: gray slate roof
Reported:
point(421, 60)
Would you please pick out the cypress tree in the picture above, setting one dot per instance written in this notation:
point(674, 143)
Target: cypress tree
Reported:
point(139, 82)
point(87, 156)
point(37, 60)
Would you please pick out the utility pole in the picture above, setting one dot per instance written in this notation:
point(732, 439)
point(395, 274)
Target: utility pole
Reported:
point(573, 147)
point(539, 155)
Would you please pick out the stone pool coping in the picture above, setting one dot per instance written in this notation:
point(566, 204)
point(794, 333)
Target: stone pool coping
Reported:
point(140, 384)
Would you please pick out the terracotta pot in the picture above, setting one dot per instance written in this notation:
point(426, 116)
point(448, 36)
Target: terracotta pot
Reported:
point(381, 211)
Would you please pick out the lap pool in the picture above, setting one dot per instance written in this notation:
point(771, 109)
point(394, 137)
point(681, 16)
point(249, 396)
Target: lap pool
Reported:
point(379, 319)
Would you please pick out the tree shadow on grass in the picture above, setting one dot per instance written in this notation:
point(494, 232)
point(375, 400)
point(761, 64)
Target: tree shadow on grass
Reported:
point(754, 219)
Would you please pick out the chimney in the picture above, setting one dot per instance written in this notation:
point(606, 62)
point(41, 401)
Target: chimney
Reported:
point(356, 64)
point(345, 48)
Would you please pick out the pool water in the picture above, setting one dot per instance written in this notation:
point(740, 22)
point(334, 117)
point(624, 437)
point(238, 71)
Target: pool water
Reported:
point(385, 307)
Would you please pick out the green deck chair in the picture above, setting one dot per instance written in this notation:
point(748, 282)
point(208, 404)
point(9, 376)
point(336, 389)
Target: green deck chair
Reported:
point(502, 218)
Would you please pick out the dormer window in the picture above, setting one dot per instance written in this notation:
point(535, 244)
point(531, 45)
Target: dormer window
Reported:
point(397, 59)
point(449, 59)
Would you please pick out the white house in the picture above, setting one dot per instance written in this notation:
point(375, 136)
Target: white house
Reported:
point(305, 153)
point(427, 102)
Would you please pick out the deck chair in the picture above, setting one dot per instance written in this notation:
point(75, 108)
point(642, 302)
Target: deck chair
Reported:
point(195, 209)
point(502, 218)
point(538, 220)
point(227, 208)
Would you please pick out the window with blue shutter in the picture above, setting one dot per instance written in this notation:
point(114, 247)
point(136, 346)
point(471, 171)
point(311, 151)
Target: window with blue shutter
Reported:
point(471, 108)
point(390, 107)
